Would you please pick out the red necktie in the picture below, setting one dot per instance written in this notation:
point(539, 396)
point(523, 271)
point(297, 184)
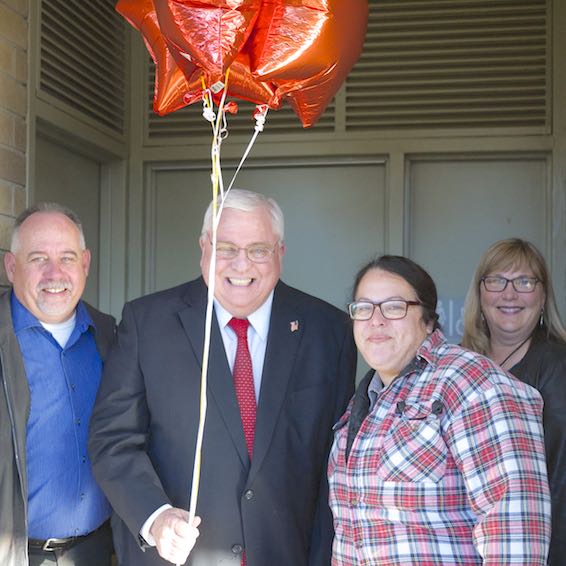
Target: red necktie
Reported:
point(244, 381)
point(244, 386)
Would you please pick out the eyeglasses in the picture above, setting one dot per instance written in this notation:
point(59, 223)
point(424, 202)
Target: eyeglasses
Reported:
point(258, 253)
point(392, 310)
point(497, 284)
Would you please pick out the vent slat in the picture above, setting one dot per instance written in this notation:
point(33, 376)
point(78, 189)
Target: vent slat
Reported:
point(446, 83)
point(461, 6)
point(441, 122)
point(368, 101)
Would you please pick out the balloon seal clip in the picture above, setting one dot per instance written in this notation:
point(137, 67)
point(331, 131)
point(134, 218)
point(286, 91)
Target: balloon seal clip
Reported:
point(217, 87)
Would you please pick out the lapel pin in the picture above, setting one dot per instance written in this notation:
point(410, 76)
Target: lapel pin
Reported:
point(294, 325)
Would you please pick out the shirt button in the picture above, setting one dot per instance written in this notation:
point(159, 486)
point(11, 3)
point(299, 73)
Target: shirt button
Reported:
point(84, 459)
point(237, 549)
point(78, 422)
point(249, 494)
point(354, 501)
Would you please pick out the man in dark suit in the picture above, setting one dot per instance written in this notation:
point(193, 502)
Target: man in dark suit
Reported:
point(52, 346)
point(263, 490)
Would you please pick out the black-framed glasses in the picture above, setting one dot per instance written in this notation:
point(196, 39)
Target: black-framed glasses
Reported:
point(258, 253)
point(392, 309)
point(497, 284)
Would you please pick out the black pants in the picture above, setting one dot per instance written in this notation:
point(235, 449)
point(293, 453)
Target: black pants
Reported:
point(94, 550)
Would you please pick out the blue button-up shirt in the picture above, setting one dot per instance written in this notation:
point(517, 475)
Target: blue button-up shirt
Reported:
point(63, 497)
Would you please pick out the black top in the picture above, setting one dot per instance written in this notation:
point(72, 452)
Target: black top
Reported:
point(544, 368)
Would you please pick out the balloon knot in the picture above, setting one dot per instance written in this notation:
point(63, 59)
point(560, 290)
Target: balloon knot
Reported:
point(260, 116)
point(208, 113)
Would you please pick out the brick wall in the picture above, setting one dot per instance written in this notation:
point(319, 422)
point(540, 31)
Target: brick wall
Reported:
point(13, 115)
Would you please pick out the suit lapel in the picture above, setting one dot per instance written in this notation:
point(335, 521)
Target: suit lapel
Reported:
point(285, 333)
point(220, 384)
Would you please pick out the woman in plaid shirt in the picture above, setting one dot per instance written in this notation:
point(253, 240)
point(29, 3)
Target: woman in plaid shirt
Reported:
point(439, 458)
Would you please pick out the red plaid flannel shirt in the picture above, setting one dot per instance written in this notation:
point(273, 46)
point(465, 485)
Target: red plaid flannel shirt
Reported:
point(447, 468)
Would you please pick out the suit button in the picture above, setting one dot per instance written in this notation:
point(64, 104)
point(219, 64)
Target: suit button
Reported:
point(249, 494)
point(237, 548)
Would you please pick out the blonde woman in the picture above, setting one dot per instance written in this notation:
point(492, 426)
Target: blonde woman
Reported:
point(511, 317)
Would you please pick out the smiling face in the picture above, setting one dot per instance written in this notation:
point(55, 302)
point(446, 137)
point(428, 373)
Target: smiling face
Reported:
point(389, 345)
point(242, 286)
point(48, 267)
point(510, 316)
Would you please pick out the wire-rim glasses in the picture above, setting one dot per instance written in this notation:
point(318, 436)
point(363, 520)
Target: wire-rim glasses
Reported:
point(392, 309)
point(258, 253)
point(521, 284)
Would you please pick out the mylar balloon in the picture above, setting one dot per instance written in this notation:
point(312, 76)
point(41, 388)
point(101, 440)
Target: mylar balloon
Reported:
point(172, 80)
point(309, 70)
point(241, 84)
point(209, 33)
point(295, 50)
point(289, 40)
point(135, 10)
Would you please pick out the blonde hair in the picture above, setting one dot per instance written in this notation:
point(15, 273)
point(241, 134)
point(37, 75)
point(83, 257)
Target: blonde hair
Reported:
point(501, 256)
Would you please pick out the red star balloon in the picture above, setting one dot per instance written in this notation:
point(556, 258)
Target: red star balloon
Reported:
point(241, 84)
point(309, 62)
point(299, 51)
point(171, 80)
point(209, 33)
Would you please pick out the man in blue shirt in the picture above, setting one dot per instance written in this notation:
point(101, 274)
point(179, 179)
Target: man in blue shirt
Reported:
point(52, 346)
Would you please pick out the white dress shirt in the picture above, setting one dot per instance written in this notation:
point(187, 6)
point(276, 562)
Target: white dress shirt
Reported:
point(257, 337)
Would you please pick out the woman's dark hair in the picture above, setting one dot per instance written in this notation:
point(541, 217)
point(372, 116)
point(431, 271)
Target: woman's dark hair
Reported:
point(413, 274)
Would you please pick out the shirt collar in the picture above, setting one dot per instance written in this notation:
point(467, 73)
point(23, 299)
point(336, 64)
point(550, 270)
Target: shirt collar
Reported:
point(259, 319)
point(428, 350)
point(374, 388)
point(22, 318)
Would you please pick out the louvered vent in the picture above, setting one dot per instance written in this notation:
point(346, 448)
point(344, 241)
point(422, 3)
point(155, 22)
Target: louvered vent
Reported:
point(189, 122)
point(427, 64)
point(451, 64)
point(83, 46)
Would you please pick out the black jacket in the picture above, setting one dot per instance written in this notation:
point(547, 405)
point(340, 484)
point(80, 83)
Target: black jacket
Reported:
point(144, 424)
point(544, 368)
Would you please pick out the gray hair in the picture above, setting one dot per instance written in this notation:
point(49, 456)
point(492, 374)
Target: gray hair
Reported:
point(247, 201)
point(51, 207)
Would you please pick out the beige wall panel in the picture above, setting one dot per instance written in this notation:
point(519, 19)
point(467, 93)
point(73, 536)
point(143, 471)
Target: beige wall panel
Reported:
point(458, 207)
